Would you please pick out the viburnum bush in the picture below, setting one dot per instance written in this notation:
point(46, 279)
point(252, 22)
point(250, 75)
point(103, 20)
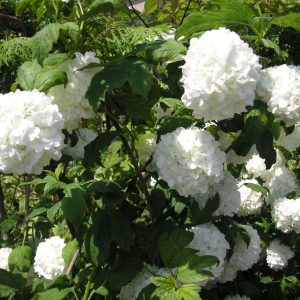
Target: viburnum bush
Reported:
point(149, 155)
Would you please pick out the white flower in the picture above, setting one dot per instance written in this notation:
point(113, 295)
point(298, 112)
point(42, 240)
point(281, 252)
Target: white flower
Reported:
point(279, 87)
point(286, 214)
point(251, 201)
point(281, 181)
point(290, 142)
point(219, 75)
point(71, 99)
point(278, 255)
point(189, 160)
point(4, 254)
point(236, 297)
point(133, 289)
point(30, 135)
point(85, 136)
point(243, 257)
point(229, 195)
point(48, 261)
point(256, 166)
point(145, 146)
point(209, 240)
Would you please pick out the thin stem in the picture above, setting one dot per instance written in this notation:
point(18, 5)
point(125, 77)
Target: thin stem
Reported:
point(26, 208)
point(72, 263)
point(185, 12)
point(136, 166)
point(88, 286)
point(137, 14)
point(2, 210)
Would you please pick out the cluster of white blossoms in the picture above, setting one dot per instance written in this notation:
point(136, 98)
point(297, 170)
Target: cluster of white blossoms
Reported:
point(4, 254)
point(229, 195)
point(290, 142)
point(189, 160)
point(278, 255)
point(85, 136)
point(279, 87)
point(244, 256)
point(48, 261)
point(251, 200)
point(286, 214)
point(71, 99)
point(219, 75)
point(209, 240)
point(236, 297)
point(256, 166)
point(31, 134)
point(280, 183)
point(145, 146)
point(132, 290)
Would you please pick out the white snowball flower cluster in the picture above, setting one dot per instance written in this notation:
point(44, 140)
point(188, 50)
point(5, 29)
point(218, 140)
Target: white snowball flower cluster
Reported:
point(4, 254)
point(71, 99)
point(145, 146)
point(209, 240)
point(243, 257)
point(189, 160)
point(48, 261)
point(256, 166)
point(280, 182)
point(286, 214)
point(290, 142)
point(229, 195)
point(31, 134)
point(251, 200)
point(133, 289)
point(278, 255)
point(219, 75)
point(85, 136)
point(236, 297)
point(279, 87)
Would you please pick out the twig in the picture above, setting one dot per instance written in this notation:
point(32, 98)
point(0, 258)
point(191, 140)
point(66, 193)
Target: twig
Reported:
point(137, 14)
point(72, 263)
point(2, 210)
point(26, 208)
point(185, 12)
point(10, 17)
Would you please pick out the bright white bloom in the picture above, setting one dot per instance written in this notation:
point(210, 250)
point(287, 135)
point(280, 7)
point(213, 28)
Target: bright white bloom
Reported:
point(290, 142)
point(71, 99)
point(236, 297)
point(189, 160)
point(279, 87)
point(30, 135)
point(48, 261)
point(243, 257)
point(251, 201)
point(281, 181)
point(4, 254)
point(209, 240)
point(286, 214)
point(278, 255)
point(145, 146)
point(66, 1)
point(132, 290)
point(256, 166)
point(219, 75)
point(229, 195)
point(85, 136)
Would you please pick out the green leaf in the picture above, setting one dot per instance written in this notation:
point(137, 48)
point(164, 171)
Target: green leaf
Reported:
point(54, 294)
point(173, 103)
point(169, 124)
point(104, 6)
point(69, 251)
point(291, 19)
point(115, 74)
point(258, 188)
point(52, 211)
point(55, 59)
point(74, 207)
point(230, 14)
point(43, 40)
point(161, 51)
point(270, 44)
point(193, 270)
point(20, 259)
point(266, 150)
point(151, 6)
point(189, 292)
point(165, 284)
point(11, 280)
point(32, 76)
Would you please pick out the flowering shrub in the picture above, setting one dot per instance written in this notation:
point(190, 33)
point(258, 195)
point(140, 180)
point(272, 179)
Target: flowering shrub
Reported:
point(149, 155)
